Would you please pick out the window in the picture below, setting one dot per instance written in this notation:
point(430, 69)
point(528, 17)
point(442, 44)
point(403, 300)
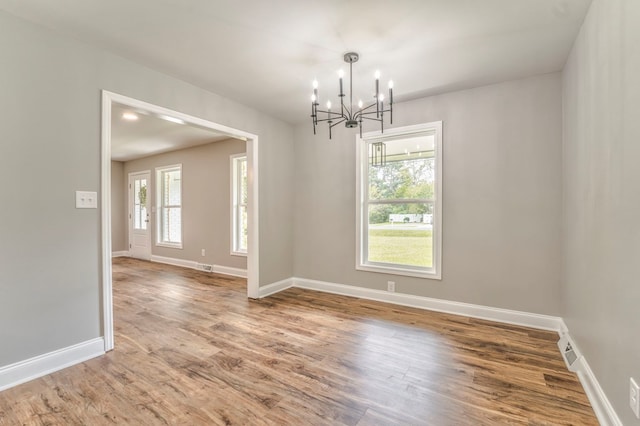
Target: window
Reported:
point(239, 204)
point(169, 201)
point(400, 201)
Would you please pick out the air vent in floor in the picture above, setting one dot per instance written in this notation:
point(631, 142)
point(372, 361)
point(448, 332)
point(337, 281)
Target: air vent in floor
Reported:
point(569, 352)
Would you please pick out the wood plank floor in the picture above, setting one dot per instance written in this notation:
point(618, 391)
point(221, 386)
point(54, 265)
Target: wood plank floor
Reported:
point(191, 349)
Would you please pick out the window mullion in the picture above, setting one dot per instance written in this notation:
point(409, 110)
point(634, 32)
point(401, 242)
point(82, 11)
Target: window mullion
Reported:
point(403, 201)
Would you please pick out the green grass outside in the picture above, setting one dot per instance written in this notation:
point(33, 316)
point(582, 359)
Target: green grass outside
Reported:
point(401, 246)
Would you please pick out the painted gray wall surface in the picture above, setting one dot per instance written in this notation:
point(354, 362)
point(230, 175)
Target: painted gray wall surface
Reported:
point(50, 285)
point(206, 198)
point(501, 189)
point(118, 206)
point(601, 284)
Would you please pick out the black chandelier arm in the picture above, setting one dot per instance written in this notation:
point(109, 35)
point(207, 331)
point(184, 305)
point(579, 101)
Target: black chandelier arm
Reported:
point(372, 119)
point(365, 114)
point(336, 123)
point(348, 112)
point(333, 114)
point(363, 110)
point(332, 119)
point(331, 126)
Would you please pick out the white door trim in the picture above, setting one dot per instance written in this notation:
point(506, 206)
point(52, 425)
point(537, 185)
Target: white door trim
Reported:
point(130, 207)
point(252, 209)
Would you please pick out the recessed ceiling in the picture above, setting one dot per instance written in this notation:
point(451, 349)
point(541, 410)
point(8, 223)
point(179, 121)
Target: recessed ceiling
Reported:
point(149, 134)
point(265, 53)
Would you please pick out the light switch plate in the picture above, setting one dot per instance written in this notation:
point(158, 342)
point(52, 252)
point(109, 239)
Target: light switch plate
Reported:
point(86, 200)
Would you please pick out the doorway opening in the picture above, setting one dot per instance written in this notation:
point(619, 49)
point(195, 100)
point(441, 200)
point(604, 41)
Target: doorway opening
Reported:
point(251, 140)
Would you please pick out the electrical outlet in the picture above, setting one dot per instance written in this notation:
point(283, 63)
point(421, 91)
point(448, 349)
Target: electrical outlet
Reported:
point(634, 397)
point(391, 286)
point(203, 253)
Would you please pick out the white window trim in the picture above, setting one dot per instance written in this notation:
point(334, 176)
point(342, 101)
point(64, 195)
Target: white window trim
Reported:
point(235, 179)
point(362, 145)
point(160, 243)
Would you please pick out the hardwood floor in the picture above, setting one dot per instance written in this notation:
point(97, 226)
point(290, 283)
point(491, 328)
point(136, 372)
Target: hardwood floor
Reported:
point(191, 349)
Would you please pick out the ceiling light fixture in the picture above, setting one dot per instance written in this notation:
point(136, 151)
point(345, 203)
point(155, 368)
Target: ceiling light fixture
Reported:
point(129, 116)
point(352, 117)
point(171, 119)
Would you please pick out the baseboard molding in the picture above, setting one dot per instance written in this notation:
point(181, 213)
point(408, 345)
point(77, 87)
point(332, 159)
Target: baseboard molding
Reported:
point(274, 288)
point(174, 262)
point(527, 319)
point(218, 269)
point(603, 409)
point(227, 270)
point(24, 371)
point(123, 253)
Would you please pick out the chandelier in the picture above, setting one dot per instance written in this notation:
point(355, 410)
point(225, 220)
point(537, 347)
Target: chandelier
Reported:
point(347, 114)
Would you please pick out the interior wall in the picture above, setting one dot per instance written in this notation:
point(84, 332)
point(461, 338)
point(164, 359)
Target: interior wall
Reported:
point(118, 205)
point(602, 196)
point(50, 297)
point(206, 198)
point(501, 198)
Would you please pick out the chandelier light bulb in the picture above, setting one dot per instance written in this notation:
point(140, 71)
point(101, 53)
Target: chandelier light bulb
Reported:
point(390, 84)
point(381, 97)
point(328, 104)
point(315, 84)
point(360, 104)
point(340, 73)
point(313, 98)
point(377, 75)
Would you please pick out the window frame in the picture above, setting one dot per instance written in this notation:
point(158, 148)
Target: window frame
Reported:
point(236, 212)
point(362, 204)
point(159, 206)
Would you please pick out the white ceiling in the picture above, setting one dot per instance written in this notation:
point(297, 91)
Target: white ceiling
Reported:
point(265, 53)
point(149, 135)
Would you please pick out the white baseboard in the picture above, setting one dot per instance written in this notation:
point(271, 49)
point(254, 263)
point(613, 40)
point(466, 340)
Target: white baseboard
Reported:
point(276, 287)
point(527, 319)
point(123, 253)
point(226, 270)
point(23, 371)
point(218, 269)
point(603, 409)
point(175, 262)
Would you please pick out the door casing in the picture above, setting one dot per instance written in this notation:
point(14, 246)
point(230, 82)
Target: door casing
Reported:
point(253, 261)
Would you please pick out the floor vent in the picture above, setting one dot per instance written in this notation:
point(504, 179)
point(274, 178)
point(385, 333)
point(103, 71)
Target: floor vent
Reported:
point(569, 352)
point(204, 267)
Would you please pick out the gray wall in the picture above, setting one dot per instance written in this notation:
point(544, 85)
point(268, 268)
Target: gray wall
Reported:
point(601, 290)
point(501, 189)
point(118, 208)
point(206, 198)
point(50, 285)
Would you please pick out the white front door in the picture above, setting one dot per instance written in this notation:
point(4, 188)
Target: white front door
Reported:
point(139, 225)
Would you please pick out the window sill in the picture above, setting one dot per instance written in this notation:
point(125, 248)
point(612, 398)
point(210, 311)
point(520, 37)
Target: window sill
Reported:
point(399, 271)
point(239, 253)
point(170, 245)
